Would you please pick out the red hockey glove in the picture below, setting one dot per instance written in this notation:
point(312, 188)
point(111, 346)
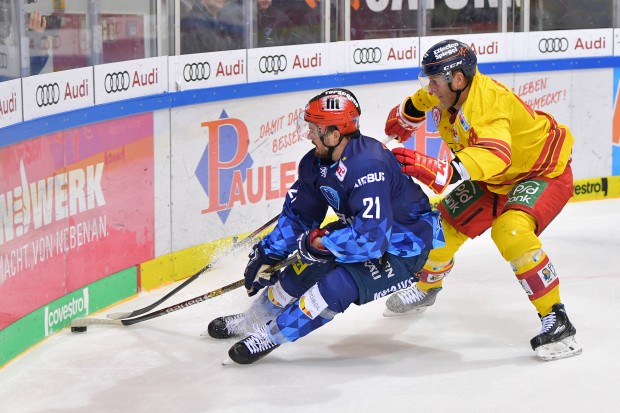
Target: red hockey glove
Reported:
point(403, 120)
point(435, 173)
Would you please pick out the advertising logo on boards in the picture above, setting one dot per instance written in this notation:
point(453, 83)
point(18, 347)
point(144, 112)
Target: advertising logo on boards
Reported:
point(227, 171)
point(209, 69)
point(122, 81)
point(193, 72)
point(36, 204)
point(60, 315)
point(48, 94)
point(567, 44)
point(272, 64)
point(56, 92)
point(286, 62)
point(8, 104)
point(364, 55)
point(116, 82)
point(556, 44)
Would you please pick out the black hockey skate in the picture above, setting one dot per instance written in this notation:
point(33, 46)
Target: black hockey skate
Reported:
point(556, 339)
point(228, 326)
point(252, 348)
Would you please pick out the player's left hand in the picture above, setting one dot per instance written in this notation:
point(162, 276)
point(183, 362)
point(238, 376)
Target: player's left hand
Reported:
point(311, 249)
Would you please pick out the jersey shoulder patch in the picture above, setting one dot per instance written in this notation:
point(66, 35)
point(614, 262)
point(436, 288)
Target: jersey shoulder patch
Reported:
point(332, 196)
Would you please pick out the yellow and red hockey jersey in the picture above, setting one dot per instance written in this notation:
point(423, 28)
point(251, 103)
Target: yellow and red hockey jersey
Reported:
point(499, 139)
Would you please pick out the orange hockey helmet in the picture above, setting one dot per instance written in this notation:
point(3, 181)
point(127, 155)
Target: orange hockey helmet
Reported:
point(334, 107)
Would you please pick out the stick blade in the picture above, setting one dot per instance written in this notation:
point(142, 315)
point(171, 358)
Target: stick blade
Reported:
point(119, 316)
point(85, 322)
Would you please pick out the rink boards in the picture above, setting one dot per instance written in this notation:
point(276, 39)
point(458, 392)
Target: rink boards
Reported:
point(119, 194)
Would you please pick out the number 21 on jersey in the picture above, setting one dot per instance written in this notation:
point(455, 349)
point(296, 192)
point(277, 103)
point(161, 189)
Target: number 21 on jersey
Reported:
point(373, 208)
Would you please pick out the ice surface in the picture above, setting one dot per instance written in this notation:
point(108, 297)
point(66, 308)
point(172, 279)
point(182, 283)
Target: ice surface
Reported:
point(468, 353)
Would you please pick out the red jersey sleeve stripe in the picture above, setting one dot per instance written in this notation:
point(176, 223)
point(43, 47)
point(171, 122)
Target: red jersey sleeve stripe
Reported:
point(498, 147)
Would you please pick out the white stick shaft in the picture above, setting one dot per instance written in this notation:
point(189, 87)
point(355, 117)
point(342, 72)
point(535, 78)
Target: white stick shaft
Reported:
point(388, 139)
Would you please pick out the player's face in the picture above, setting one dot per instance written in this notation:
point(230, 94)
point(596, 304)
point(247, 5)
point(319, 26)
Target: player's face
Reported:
point(439, 86)
point(321, 151)
point(314, 132)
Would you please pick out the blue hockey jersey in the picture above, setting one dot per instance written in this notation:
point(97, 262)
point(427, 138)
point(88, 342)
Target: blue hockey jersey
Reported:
point(383, 209)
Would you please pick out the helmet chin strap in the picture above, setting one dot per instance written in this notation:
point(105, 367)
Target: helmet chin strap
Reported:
point(330, 149)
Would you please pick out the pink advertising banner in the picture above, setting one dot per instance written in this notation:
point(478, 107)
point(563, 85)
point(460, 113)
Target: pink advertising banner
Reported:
point(75, 206)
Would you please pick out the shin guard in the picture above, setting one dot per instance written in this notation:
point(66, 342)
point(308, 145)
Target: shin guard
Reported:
point(269, 304)
point(538, 278)
point(433, 274)
point(301, 317)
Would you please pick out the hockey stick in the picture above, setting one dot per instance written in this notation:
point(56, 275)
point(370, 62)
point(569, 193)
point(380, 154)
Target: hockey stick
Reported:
point(388, 139)
point(135, 313)
point(85, 322)
point(246, 240)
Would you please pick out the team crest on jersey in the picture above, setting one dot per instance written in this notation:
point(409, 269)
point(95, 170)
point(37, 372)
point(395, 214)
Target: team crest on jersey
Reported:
point(437, 115)
point(323, 171)
point(332, 196)
point(455, 135)
point(462, 121)
point(341, 171)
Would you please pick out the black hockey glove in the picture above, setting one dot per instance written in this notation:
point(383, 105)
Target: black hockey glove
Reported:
point(334, 226)
point(255, 278)
point(308, 253)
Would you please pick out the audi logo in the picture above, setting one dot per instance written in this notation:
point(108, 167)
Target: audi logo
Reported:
point(367, 55)
point(48, 94)
point(4, 60)
point(196, 71)
point(556, 44)
point(272, 64)
point(117, 82)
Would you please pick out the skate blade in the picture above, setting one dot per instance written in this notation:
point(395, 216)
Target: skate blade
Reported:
point(567, 347)
point(389, 313)
point(228, 361)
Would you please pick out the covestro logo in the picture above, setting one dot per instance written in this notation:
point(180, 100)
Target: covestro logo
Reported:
point(591, 187)
point(59, 313)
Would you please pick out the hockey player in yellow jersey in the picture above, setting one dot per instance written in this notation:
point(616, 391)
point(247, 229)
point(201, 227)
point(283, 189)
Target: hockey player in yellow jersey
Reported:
point(514, 164)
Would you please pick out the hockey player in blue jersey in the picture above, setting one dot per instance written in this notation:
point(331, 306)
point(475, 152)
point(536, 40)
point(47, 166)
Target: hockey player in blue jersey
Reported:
point(381, 240)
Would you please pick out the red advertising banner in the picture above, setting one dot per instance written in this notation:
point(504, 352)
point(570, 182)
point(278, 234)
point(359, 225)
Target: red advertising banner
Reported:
point(75, 206)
